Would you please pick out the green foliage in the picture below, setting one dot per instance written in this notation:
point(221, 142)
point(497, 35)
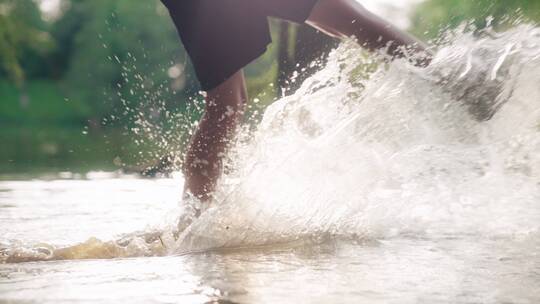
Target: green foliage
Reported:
point(433, 15)
point(39, 148)
point(41, 103)
point(22, 36)
point(119, 62)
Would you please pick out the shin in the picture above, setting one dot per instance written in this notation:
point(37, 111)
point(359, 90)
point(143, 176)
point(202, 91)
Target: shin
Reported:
point(217, 128)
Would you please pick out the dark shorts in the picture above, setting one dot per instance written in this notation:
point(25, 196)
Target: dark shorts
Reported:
point(223, 36)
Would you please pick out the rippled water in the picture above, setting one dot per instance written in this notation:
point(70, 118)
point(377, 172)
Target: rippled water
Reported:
point(408, 269)
point(398, 185)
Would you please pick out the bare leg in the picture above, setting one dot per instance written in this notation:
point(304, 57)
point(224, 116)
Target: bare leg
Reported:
point(347, 18)
point(224, 111)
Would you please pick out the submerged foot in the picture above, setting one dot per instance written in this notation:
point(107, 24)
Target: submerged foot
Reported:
point(163, 240)
point(192, 208)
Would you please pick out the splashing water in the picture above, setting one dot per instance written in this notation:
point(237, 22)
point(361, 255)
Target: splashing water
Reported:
point(365, 152)
point(405, 151)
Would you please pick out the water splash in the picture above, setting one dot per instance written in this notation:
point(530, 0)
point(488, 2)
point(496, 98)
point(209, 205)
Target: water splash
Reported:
point(401, 151)
point(367, 151)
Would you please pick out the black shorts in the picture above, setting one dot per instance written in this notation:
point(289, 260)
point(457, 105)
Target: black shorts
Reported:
point(223, 36)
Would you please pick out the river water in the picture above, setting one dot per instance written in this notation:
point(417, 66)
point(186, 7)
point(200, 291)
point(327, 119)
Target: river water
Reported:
point(371, 184)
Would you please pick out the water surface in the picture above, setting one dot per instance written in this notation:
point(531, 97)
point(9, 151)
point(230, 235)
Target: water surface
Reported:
point(400, 270)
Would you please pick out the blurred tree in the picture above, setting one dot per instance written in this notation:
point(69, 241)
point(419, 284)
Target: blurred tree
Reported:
point(119, 64)
point(23, 35)
point(63, 32)
point(433, 15)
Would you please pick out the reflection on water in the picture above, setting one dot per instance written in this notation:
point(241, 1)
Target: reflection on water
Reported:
point(65, 210)
point(465, 269)
point(393, 188)
point(396, 271)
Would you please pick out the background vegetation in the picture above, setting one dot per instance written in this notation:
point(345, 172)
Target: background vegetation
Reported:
point(105, 84)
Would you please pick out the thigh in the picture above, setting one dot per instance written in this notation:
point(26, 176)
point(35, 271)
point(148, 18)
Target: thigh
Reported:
point(293, 10)
point(230, 94)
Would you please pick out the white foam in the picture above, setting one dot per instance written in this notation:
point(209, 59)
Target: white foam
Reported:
point(401, 151)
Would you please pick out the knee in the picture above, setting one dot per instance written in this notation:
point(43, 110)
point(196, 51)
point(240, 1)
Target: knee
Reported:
point(230, 96)
point(337, 17)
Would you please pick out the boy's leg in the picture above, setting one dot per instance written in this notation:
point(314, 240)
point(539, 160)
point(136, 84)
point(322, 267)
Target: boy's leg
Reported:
point(346, 18)
point(225, 106)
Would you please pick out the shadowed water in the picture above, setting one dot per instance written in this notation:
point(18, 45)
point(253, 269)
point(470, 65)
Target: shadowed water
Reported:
point(372, 183)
